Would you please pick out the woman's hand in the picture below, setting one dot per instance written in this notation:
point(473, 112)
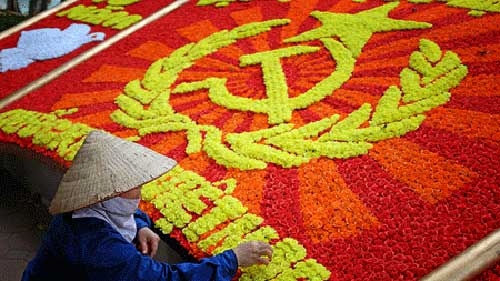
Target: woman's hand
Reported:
point(147, 241)
point(253, 252)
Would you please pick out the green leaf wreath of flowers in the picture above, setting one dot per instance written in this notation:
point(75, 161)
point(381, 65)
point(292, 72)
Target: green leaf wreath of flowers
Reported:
point(425, 85)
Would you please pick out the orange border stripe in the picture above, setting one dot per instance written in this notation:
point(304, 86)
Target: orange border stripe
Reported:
point(111, 73)
point(344, 7)
point(470, 123)
point(199, 107)
point(250, 187)
point(297, 120)
point(97, 119)
point(86, 98)
point(197, 162)
point(126, 133)
point(212, 116)
point(259, 122)
point(170, 142)
point(330, 209)
point(298, 16)
point(430, 175)
point(151, 51)
point(259, 42)
point(198, 30)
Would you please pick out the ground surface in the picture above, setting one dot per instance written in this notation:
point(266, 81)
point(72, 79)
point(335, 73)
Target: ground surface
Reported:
point(23, 219)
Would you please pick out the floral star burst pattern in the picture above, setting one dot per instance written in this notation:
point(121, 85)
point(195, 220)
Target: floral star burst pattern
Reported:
point(359, 139)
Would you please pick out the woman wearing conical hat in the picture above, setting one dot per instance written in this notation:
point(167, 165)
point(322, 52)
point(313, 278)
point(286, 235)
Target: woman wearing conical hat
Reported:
point(97, 221)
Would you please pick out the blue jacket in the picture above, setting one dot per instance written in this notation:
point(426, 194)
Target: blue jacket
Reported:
point(90, 249)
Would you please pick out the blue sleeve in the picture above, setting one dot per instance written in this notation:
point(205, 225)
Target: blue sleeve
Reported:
point(142, 220)
point(112, 258)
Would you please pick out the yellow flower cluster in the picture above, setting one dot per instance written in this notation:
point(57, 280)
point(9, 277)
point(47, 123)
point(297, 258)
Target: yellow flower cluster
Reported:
point(117, 4)
point(46, 129)
point(178, 195)
point(287, 264)
point(106, 17)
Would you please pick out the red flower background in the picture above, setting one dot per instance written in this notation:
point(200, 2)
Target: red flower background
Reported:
point(395, 213)
point(16, 80)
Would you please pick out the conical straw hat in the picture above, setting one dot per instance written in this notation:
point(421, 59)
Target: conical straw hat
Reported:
point(104, 167)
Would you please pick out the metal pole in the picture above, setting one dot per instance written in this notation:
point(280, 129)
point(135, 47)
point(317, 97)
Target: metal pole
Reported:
point(10, 5)
point(33, 7)
point(471, 262)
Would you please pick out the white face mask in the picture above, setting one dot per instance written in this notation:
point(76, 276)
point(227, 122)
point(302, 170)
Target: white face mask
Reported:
point(118, 212)
point(120, 206)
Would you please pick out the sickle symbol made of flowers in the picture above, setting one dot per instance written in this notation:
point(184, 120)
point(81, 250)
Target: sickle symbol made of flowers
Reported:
point(144, 105)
